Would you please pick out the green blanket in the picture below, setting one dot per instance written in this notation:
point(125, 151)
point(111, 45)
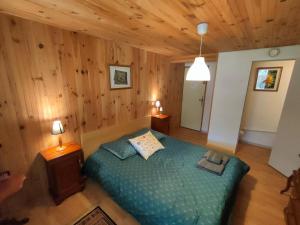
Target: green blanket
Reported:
point(168, 188)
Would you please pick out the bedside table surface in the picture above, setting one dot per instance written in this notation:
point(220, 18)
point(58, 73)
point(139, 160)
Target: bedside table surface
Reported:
point(53, 153)
point(161, 116)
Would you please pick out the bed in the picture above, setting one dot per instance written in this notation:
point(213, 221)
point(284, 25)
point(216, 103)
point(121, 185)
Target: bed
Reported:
point(168, 188)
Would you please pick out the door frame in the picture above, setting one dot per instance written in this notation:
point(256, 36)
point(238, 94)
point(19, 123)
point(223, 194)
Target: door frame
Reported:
point(205, 83)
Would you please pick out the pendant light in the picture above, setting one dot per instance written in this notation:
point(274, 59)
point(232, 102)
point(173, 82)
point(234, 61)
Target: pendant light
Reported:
point(199, 70)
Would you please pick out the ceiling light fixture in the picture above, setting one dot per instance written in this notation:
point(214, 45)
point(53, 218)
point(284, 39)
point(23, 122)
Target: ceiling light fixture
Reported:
point(199, 70)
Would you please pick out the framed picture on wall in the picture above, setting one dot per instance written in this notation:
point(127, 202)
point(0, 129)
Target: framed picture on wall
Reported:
point(267, 78)
point(120, 77)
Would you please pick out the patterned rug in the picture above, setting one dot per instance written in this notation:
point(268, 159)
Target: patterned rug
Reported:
point(96, 217)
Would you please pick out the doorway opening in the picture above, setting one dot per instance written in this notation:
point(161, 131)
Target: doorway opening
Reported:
point(267, 89)
point(197, 101)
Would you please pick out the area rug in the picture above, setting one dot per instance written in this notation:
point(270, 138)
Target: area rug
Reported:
point(96, 217)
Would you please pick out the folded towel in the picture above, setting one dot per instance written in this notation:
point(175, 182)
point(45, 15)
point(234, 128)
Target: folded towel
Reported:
point(212, 167)
point(214, 157)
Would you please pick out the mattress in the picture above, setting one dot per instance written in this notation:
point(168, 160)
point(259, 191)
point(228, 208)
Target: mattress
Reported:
point(168, 188)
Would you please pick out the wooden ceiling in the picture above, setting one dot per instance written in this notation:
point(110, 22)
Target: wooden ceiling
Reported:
point(169, 26)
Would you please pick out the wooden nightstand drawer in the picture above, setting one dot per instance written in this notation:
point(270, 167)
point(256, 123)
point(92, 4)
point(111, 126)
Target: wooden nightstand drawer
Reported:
point(64, 171)
point(161, 123)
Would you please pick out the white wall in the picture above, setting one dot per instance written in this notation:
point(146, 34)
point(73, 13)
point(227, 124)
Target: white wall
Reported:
point(233, 71)
point(286, 151)
point(262, 109)
point(259, 138)
point(209, 96)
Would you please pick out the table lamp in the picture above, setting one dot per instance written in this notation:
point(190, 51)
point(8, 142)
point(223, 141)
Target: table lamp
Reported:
point(58, 129)
point(157, 105)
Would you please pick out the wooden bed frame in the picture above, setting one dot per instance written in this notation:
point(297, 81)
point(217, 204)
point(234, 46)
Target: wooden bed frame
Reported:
point(92, 140)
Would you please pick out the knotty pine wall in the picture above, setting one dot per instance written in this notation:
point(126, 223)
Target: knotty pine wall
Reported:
point(48, 73)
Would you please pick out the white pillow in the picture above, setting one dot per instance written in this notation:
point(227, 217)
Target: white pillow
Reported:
point(146, 144)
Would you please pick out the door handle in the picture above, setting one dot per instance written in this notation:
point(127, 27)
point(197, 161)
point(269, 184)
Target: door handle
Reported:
point(201, 100)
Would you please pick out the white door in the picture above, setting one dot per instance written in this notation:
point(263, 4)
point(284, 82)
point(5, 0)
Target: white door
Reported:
point(192, 103)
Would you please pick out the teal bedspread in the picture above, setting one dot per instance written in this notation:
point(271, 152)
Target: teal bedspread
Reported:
point(168, 188)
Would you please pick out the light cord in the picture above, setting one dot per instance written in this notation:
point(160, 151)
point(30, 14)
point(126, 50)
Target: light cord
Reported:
point(201, 45)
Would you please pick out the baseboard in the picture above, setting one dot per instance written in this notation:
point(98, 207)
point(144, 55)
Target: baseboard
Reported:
point(255, 144)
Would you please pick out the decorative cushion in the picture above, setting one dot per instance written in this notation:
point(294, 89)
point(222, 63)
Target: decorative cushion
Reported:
point(120, 147)
point(157, 134)
point(146, 144)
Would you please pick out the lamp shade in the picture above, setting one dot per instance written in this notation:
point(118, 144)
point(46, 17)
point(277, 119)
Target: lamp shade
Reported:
point(157, 104)
point(198, 71)
point(57, 127)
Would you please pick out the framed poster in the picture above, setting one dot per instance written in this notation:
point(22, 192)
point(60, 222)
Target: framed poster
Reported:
point(120, 77)
point(267, 78)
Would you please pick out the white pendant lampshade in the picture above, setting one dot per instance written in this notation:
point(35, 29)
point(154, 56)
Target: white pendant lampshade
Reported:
point(198, 71)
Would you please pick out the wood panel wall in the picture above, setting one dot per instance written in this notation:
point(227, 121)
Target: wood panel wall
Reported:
point(48, 73)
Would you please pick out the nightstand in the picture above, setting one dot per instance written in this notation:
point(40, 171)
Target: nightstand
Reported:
point(64, 171)
point(161, 123)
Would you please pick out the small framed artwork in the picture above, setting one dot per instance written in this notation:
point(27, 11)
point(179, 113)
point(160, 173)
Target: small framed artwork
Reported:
point(267, 78)
point(120, 77)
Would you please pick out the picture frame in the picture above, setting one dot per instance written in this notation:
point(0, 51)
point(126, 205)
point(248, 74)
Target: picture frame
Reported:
point(120, 77)
point(267, 78)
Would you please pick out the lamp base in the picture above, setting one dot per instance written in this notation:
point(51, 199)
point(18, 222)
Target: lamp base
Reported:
point(60, 145)
point(60, 148)
point(157, 111)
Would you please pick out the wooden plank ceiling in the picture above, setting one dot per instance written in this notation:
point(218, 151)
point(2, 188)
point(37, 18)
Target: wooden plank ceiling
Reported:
point(169, 26)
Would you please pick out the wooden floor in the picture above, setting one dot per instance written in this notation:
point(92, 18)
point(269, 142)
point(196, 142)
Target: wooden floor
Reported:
point(258, 201)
